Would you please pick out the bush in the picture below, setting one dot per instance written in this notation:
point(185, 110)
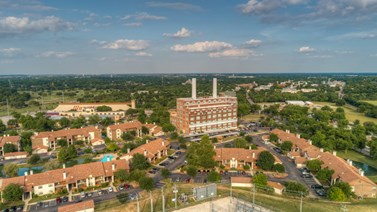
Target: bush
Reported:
point(165, 173)
point(286, 146)
point(336, 194)
point(260, 179)
point(146, 183)
point(279, 168)
point(246, 167)
point(214, 177)
point(266, 160)
point(34, 159)
point(295, 188)
point(12, 192)
point(122, 198)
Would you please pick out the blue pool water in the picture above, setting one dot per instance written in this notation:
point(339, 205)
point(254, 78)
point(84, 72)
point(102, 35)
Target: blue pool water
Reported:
point(369, 170)
point(107, 158)
point(21, 171)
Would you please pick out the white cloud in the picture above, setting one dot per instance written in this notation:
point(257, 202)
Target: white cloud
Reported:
point(143, 54)
point(54, 54)
point(133, 45)
point(254, 43)
point(205, 46)
point(133, 24)
point(100, 42)
point(231, 53)
point(373, 55)
point(182, 33)
point(143, 16)
point(26, 5)
point(10, 52)
point(14, 25)
point(174, 6)
point(306, 49)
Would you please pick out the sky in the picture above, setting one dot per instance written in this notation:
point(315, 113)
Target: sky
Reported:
point(211, 36)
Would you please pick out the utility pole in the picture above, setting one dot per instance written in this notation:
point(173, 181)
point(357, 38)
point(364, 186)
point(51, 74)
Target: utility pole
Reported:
point(163, 199)
point(175, 191)
point(150, 196)
point(137, 203)
point(253, 195)
point(301, 202)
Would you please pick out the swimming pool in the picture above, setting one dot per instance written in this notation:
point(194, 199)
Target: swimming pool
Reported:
point(21, 171)
point(107, 158)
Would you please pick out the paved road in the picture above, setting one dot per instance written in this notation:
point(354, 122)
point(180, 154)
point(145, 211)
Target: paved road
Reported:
point(290, 167)
point(248, 97)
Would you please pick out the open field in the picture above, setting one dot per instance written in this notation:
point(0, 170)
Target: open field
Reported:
point(373, 102)
point(351, 113)
point(251, 117)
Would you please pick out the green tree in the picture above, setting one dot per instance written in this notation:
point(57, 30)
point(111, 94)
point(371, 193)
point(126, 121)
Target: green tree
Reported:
point(214, 177)
point(260, 179)
point(64, 122)
point(136, 174)
point(145, 130)
point(314, 165)
point(201, 154)
point(165, 173)
point(9, 148)
point(373, 149)
point(168, 127)
point(346, 188)
point(324, 174)
point(3, 127)
point(295, 188)
point(273, 137)
point(249, 138)
point(191, 171)
point(112, 147)
point(336, 194)
point(34, 159)
point(240, 143)
point(104, 108)
point(11, 170)
point(94, 120)
point(12, 193)
point(67, 153)
point(139, 161)
point(286, 146)
point(121, 175)
point(62, 142)
point(127, 136)
point(278, 168)
point(146, 183)
point(266, 160)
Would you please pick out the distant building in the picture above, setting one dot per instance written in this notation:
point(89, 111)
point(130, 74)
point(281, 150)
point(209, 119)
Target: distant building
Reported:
point(15, 155)
point(43, 141)
point(264, 87)
point(116, 131)
point(89, 109)
point(308, 90)
point(289, 90)
point(7, 139)
point(204, 114)
point(244, 182)
point(72, 178)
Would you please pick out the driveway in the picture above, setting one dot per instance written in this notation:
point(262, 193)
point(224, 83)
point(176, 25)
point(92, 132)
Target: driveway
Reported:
point(290, 167)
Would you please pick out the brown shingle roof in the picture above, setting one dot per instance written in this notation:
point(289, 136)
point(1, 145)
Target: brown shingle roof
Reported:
point(240, 180)
point(9, 139)
point(74, 173)
point(237, 153)
point(89, 204)
point(126, 126)
point(152, 147)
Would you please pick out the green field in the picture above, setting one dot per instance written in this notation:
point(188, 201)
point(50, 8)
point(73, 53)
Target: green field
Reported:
point(251, 117)
point(351, 112)
point(373, 102)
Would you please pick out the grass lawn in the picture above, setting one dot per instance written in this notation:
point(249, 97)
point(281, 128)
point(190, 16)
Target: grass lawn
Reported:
point(251, 117)
point(351, 113)
point(373, 102)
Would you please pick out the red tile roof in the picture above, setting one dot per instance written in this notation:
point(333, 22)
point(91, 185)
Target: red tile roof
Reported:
point(238, 154)
point(78, 172)
point(152, 147)
point(9, 139)
point(9, 154)
point(81, 206)
point(70, 133)
point(240, 180)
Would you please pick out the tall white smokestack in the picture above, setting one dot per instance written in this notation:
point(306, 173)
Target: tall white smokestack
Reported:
point(193, 91)
point(214, 92)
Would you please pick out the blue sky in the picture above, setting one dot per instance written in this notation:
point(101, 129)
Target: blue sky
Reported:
point(252, 36)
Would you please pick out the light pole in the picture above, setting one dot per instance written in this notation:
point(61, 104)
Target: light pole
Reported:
point(175, 191)
point(137, 203)
point(163, 199)
point(150, 196)
point(301, 202)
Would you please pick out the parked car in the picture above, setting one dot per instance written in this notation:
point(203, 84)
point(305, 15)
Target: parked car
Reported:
point(178, 152)
point(20, 208)
point(39, 204)
point(100, 192)
point(65, 199)
point(127, 186)
point(121, 188)
point(316, 186)
point(171, 157)
point(58, 200)
point(110, 189)
point(132, 196)
point(278, 150)
point(82, 195)
point(320, 192)
point(306, 176)
point(89, 194)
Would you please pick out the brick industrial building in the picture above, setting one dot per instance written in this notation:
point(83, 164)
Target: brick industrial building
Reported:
point(195, 116)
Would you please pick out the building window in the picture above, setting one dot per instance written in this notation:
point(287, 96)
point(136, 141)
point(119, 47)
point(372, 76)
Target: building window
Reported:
point(40, 187)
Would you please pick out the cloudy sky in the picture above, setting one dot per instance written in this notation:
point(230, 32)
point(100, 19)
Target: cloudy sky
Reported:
point(134, 36)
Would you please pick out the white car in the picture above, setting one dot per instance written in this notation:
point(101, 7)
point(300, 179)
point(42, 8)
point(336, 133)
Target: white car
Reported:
point(82, 195)
point(110, 189)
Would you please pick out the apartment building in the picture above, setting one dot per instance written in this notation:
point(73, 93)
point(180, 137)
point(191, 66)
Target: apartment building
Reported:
point(43, 141)
point(202, 115)
point(116, 131)
point(72, 178)
point(303, 150)
point(152, 150)
point(7, 139)
point(237, 158)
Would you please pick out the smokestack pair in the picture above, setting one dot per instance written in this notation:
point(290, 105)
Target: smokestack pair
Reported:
point(193, 91)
